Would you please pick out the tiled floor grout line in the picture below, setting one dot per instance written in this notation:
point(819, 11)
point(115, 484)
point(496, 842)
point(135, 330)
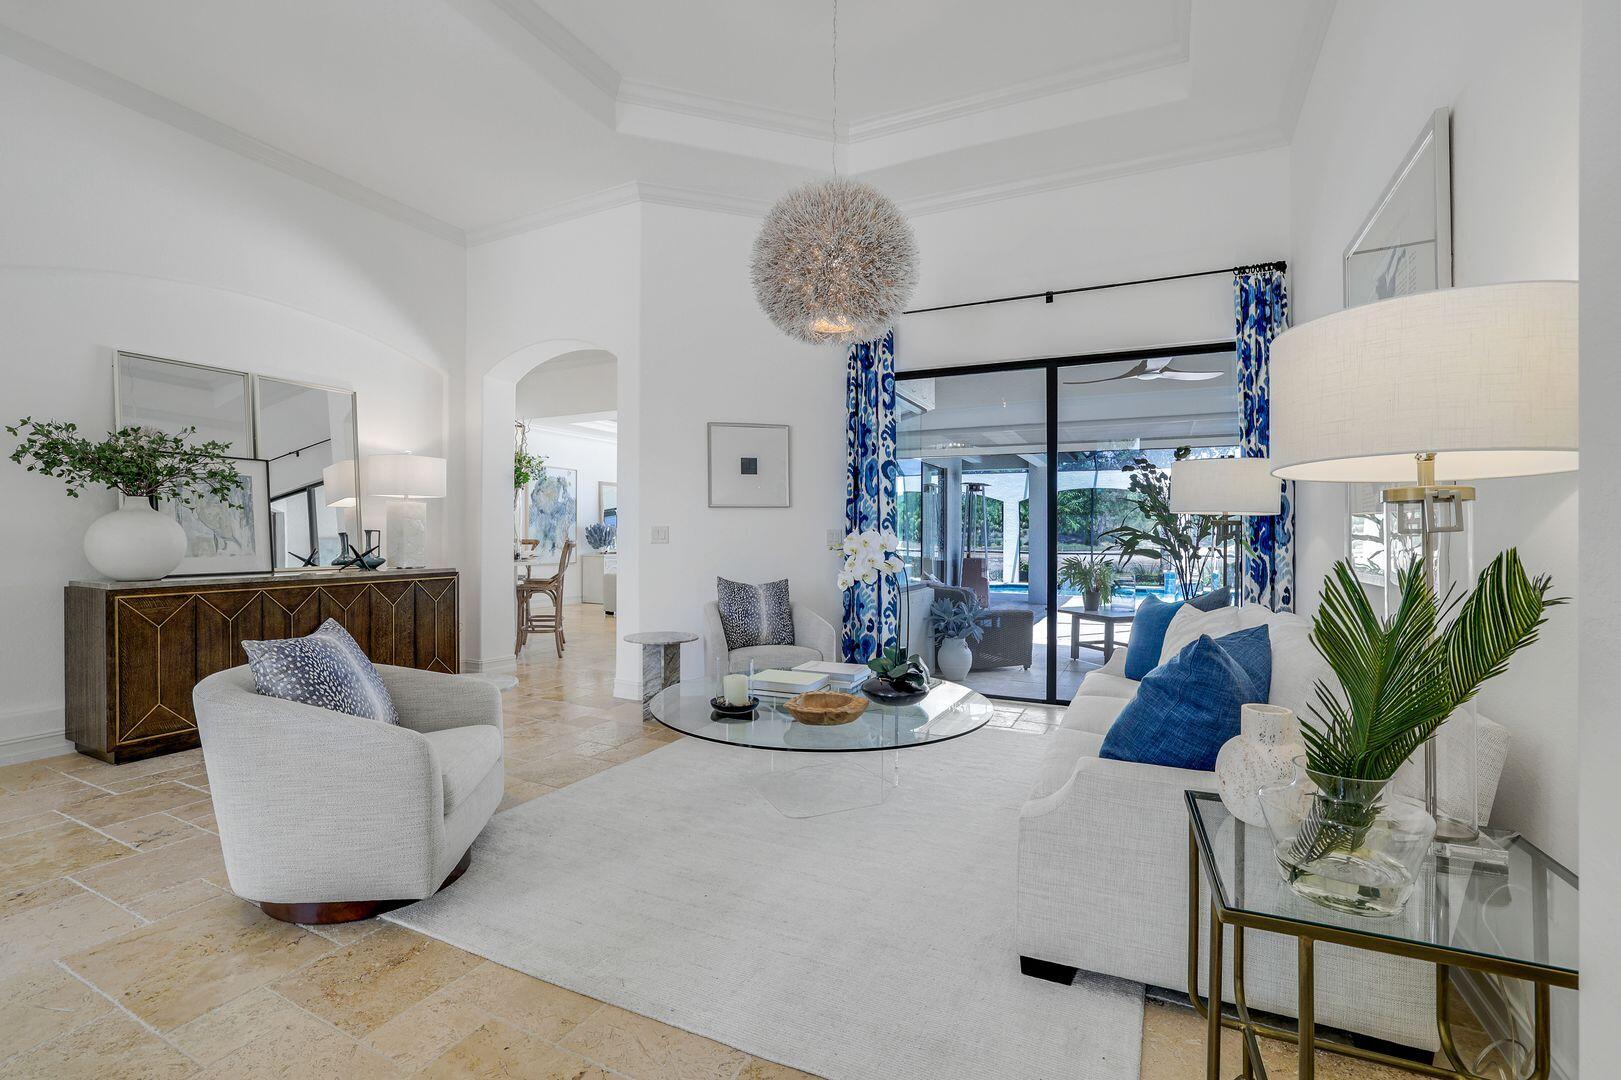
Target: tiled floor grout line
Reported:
point(144, 920)
point(104, 832)
point(361, 1043)
point(121, 1007)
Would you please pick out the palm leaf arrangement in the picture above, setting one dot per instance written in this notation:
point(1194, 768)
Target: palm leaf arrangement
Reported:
point(1400, 680)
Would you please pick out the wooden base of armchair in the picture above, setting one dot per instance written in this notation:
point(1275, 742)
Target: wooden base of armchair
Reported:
point(338, 911)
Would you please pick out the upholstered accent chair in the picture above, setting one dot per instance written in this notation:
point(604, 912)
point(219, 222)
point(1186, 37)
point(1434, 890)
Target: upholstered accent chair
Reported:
point(327, 817)
point(814, 639)
point(1010, 630)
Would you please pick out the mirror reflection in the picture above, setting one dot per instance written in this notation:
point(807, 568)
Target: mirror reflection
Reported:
point(171, 396)
point(307, 435)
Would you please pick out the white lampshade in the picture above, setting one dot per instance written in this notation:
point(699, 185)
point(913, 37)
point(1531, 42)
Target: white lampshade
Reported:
point(1482, 377)
point(1225, 486)
point(338, 483)
point(405, 476)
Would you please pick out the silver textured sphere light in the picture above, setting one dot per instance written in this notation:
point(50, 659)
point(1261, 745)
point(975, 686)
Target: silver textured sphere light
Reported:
point(835, 261)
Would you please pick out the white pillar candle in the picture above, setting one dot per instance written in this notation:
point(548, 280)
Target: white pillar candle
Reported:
point(736, 689)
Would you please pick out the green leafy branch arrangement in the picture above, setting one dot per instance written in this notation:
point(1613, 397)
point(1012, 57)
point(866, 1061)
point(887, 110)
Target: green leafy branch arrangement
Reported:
point(525, 467)
point(140, 462)
point(1094, 570)
point(1187, 541)
point(1400, 680)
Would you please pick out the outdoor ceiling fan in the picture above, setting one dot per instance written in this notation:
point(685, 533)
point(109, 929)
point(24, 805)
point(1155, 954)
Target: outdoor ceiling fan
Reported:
point(1149, 370)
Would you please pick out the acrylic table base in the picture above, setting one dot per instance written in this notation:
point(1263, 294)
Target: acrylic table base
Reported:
point(810, 785)
point(661, 663)
point(1250, 1029)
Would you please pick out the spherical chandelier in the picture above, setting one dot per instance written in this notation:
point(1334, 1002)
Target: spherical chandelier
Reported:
point(835, 260)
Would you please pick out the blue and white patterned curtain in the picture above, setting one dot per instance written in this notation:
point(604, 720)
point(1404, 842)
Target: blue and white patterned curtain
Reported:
point(871, 612)
point(1262, 302)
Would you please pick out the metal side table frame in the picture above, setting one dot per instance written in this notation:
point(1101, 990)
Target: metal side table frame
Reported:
point(1542, 978)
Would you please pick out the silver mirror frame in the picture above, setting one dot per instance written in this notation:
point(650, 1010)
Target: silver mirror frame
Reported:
point(1437, 133)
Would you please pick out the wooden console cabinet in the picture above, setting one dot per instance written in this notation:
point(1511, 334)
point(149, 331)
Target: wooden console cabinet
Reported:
point(135, 650)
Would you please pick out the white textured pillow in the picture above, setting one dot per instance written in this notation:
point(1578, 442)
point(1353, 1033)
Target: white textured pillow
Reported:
point(1189, 623)
point(1296, 663)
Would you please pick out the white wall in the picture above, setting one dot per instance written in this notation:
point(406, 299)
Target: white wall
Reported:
point(1511, 82)
point(595, 461)
point(573, 385)
point(1206, 216)
point(1599, 688)
point(533, 298)
point(120, 232)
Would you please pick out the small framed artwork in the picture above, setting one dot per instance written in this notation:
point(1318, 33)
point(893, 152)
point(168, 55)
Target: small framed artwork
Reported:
point(228, 536)
point(748, 465)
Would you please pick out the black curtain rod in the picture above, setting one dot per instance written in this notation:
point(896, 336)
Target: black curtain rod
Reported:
point(1279, 266)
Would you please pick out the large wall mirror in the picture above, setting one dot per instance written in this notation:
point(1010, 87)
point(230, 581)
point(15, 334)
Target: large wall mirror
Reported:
point(297, 449)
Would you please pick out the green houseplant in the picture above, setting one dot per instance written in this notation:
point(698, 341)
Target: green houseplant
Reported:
point(1092, 575)
point(954, 624)
point(1187, 542)
point(1339, 839)
point(135, 542)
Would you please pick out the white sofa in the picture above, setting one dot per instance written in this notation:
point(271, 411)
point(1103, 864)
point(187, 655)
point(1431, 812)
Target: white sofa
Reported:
point(814, 639)
point(1103, 854)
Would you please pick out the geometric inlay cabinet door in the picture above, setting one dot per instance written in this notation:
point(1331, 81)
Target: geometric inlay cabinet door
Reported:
point(135, 650)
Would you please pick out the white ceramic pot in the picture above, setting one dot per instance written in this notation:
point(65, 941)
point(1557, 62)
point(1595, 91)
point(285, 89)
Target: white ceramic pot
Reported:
point(1262, 754)
point(952, 658)
point(135, 543)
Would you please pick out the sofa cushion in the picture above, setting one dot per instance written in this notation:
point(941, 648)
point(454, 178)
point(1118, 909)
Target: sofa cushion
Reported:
point(327, 669)
point(1189, 623)
point(1184, 710)
point(766, 657)
point(466, 755)
point(1102, 684)
point(755, 614)
point(1145, 650)
point(1065, 748)
point(1094, 713)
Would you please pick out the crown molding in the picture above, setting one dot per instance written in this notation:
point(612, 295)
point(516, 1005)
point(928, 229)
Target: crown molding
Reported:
point(691, 198)
point(578, 207)
point(1254, 142)
point(647, 95)
point(120, 91)
point(550, 49)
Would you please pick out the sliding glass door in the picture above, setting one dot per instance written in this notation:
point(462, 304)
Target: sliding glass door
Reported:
point(1014, 481)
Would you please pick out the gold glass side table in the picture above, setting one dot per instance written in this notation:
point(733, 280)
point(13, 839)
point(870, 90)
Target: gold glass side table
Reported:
point(1523, 899)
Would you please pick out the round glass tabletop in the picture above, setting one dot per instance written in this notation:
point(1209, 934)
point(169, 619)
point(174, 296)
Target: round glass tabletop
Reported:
point(948, 711)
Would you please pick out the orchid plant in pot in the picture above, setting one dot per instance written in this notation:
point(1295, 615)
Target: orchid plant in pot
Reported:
point(145, 465)
point(870, 556)
point(1341, 838)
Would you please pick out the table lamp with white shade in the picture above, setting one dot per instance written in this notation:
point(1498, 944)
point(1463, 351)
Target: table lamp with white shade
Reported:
point(1418, 394)
point(408, 479)
point(1227, 488)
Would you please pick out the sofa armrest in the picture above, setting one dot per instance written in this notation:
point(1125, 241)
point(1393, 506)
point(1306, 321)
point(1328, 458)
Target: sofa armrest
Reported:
point(813, 631)
point(1116, 664)
point(433, 700)
point(718, 656)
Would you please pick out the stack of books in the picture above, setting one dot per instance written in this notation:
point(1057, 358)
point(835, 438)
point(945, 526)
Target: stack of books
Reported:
point(779, 682)
point(839, 676)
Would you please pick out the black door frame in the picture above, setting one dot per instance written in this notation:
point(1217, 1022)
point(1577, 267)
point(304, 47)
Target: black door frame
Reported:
point(1050, 366)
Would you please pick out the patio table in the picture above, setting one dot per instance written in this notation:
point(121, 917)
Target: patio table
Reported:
point(1110, 617)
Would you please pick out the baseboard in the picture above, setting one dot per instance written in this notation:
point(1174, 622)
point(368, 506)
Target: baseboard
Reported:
point(502, 665)
point(629, 689)
point(38, 735)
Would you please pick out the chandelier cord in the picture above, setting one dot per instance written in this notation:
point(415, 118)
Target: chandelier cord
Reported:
point(835, 140)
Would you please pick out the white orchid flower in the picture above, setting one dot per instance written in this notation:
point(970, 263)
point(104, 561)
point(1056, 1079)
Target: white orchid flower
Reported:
point(852, 543)
point(889, 541)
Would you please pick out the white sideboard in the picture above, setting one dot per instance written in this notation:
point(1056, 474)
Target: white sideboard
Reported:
point(593, 567)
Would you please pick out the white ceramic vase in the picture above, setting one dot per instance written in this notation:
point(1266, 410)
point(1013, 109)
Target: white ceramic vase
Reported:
point(135, 543)
point(952, 658)
point(1262, 754)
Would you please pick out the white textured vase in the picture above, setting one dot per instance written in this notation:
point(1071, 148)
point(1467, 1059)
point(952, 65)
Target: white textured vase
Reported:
point(1262, 754)
point(135, 543)
point(952, 658)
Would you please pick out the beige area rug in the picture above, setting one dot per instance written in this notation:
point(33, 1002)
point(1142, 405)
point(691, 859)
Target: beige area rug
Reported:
point(876, 942)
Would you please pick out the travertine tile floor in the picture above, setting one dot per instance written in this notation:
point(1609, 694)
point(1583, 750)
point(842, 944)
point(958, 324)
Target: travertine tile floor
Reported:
point(123, 952)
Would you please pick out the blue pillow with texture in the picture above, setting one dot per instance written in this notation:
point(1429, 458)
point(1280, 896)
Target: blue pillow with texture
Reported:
point(328, 669)
point(1252, 649)
point(1148, 635)
point(1185, 708)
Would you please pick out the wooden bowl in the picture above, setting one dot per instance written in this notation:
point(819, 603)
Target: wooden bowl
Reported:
point(821, 708)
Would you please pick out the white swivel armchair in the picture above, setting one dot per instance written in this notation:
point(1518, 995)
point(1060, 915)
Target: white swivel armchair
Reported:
point(814, 639)
point(326, 817)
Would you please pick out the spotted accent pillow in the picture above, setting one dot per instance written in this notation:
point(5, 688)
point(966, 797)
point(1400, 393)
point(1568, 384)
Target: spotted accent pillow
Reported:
point(328, 669)
point(755, 614)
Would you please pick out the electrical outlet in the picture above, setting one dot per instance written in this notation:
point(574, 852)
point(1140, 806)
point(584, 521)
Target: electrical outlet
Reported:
point(661, 534)
point(835, 540)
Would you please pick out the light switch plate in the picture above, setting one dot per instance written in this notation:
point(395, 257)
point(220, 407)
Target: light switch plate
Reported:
point(835, 540)
point(661, 534)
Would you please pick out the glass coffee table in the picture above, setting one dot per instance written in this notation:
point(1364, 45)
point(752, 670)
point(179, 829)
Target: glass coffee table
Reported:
point(1504, 909)
point(813, 769)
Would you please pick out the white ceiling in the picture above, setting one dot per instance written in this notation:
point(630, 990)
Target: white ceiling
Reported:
point(476, 117)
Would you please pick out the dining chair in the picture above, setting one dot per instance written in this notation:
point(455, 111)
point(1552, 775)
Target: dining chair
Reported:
point(545, 622)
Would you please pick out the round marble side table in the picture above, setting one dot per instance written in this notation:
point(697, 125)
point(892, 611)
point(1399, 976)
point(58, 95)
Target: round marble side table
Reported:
point(661, 662)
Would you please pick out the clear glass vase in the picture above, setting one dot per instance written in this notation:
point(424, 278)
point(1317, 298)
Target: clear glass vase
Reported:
point(1345, 843)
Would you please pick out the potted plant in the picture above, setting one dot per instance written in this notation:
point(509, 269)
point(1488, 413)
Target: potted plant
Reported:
point(599, 536)
point(1340, 839)
point(1092, 575)
point(525, 467)
point(1188, 542)
point(954, 624)
point(869, 557)
point(135, 542)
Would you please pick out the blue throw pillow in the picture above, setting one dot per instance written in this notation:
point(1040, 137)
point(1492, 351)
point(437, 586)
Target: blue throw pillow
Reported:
point(1184, 710)
point(1252, 649)
point(1213, 600)
point(328, 669)
point(1148, 635)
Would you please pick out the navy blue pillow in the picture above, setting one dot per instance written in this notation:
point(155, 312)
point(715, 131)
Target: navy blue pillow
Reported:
point(1148, 635)
point(1184, 710)
point(1213, 600)
point(1252, 649)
